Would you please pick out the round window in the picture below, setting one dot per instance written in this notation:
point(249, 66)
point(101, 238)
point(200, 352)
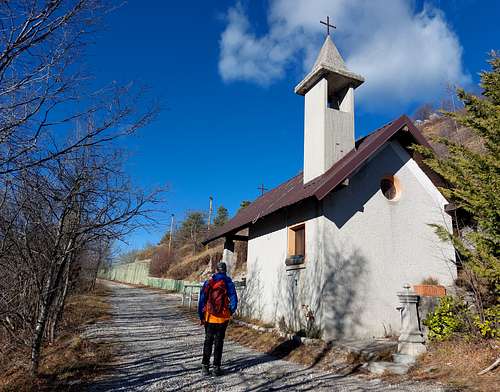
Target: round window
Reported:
point(389, 185)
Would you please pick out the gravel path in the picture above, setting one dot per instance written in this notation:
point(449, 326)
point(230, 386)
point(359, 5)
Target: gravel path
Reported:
point(159, 349)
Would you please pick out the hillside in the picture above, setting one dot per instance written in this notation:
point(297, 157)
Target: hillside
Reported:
point(185, 264)
point(195, 267)
point(441, 126)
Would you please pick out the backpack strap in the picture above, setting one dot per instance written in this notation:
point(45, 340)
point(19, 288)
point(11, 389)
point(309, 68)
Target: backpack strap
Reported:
point(207, 289)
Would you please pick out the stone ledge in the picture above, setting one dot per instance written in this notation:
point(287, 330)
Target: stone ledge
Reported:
point(383, 367)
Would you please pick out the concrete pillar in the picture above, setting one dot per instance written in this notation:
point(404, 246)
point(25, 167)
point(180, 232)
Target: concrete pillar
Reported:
point(411, 339)
point(347, 103)
point(316, 104)
point(228, 255)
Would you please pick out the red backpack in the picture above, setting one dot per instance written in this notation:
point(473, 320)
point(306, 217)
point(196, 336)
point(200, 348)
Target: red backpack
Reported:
point(217, 299)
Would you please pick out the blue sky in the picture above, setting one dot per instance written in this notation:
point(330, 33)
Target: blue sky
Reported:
point(225, 71)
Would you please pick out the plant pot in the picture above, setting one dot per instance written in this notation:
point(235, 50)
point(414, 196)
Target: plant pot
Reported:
point(430, 290)
point(294, 260)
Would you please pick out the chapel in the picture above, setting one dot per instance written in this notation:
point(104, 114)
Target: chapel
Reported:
point(333, 245)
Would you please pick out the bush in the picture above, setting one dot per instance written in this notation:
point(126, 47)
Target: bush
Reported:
point(490, 327)
point(161, 261)
point(430, 281)
point(446, 319)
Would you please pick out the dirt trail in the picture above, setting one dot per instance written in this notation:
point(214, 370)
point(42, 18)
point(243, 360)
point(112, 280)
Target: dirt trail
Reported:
point(159, 349)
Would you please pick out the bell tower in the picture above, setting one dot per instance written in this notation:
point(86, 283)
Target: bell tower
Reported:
point(329, 110)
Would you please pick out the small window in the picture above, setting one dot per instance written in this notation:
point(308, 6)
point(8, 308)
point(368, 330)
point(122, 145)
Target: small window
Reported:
point(297, 240)
point(300, 242)
point(389, 185)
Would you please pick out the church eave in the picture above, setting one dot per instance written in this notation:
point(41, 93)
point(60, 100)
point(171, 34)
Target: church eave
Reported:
point(323, 70)
point(294, 190)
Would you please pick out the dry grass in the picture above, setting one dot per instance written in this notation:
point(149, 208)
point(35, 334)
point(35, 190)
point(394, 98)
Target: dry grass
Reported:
point(456, 363)
point(71, 359)
point(322, 355)
point(195, 267)
point(445, 127)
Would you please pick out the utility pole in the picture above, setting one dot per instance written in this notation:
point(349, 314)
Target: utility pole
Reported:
point(171, 233)
point(210, 210)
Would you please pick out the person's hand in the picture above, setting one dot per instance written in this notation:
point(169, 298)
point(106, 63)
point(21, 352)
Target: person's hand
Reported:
point(202, 322)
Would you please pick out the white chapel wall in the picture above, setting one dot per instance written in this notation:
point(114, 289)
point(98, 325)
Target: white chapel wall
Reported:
point(267, 248)
point(270, 295)
point(359, 254)
point(373, 245)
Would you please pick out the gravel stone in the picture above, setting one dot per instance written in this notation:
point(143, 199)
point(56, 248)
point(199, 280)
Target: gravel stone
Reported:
point(159, 349)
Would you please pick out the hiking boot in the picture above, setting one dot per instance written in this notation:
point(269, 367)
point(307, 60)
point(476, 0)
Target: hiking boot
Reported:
point(205, 370)
point(218, 371)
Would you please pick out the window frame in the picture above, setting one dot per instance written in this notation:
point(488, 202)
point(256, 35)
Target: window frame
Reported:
point(396, 183)
point(292, 230)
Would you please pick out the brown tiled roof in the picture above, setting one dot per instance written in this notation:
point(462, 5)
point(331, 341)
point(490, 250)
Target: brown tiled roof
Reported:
point(294, 190)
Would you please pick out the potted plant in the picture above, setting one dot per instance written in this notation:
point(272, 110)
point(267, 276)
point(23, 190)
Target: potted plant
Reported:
point(430, 287)
point(294, 260)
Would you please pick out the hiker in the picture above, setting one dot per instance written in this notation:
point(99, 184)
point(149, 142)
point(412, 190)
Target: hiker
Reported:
point(218, 301)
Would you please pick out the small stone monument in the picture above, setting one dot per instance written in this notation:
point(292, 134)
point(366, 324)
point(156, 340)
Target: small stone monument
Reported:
point(411, 339)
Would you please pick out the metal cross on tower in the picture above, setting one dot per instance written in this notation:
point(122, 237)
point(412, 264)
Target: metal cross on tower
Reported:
point(327, 24)
point(262, 189)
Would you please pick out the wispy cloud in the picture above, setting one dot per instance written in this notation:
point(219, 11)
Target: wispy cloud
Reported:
point(405, 56)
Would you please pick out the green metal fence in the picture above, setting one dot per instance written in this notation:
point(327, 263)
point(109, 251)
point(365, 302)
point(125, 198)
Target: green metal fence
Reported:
point(168, 284)
point(138, 273)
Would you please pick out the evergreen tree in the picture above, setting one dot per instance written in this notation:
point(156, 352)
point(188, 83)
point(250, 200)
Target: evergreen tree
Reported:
point(474, 187)
point(193, 229)
point(222, 216)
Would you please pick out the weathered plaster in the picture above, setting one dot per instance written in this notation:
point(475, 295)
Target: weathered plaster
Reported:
point(328, 133)
point(385, 244)
point(315, 106)
point(360, 250)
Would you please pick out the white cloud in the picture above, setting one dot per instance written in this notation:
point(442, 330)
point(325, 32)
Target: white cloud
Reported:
point(405, 56)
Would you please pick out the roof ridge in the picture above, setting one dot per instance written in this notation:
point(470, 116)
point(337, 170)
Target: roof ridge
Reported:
point(283, 196)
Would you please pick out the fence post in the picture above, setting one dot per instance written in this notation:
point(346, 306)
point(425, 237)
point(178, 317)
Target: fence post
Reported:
point(190, 296)
point(183, 295)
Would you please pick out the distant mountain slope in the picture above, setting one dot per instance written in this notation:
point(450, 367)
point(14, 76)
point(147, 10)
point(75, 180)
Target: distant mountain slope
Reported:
point(439, 125)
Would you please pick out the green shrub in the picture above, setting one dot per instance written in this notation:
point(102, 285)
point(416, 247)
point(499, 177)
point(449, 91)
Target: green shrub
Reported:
point(490, 327)
point(446, 319)
point(430, 280)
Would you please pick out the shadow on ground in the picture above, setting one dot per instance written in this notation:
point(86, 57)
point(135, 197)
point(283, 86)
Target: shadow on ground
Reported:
point(159, 349)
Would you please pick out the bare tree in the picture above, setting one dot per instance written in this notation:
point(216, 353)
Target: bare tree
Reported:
point(43, 86)
point(63, 200)
point(424, 112)
point(61, 210)
point(162, 260)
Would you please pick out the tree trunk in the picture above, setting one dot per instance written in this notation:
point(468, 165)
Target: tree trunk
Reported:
point(59, 305)
point(94, 279)
point(46, 301)
point(40, 326)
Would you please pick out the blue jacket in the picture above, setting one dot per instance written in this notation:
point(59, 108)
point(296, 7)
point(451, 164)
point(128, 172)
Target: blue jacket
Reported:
point(231, 293)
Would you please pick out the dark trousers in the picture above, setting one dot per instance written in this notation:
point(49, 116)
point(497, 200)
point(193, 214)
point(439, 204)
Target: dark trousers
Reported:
point(214, 336)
